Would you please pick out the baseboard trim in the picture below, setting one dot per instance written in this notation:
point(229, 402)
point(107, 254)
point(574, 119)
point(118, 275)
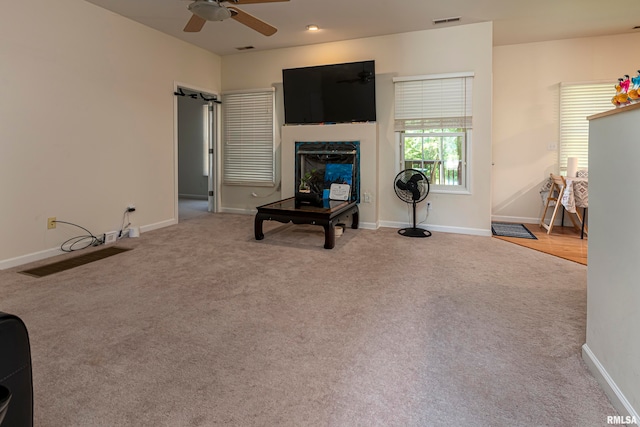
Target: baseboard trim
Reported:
point(389, 224)
point(26, 259)
point(516, 219)
point(37, 256)
point(158, 225)
point(48, 253)
point(241, 211)
point(439, 228)
point(610, 388)
point(367, 225)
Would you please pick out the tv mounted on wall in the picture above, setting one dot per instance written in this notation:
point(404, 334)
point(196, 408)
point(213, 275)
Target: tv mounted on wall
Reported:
point(338, 93)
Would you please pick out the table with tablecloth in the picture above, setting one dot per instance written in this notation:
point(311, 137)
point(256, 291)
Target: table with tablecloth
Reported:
point(576, 195)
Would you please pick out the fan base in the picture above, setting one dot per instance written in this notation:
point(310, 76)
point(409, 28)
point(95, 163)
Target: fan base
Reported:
point(414, 232)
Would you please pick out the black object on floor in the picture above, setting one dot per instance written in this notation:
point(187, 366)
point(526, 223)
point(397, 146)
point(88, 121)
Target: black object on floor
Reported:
point(16, 384)
point(506, 229)
point(5, 398)
point(67, 264)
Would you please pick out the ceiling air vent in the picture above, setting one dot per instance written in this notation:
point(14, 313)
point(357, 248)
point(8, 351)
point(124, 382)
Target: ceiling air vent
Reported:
point(245, 48)
point(446, 20)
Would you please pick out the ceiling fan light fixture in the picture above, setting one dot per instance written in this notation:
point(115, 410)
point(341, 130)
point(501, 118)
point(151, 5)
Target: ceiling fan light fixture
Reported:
point(209, 10)
point(312, 27)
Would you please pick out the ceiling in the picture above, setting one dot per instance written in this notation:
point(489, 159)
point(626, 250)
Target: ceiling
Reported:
point(514, 21)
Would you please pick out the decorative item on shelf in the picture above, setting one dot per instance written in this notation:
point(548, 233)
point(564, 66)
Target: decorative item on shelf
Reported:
point(625, 84)
point(627, 91)
point(634, 94)
point(622, 95)
point(615, 100)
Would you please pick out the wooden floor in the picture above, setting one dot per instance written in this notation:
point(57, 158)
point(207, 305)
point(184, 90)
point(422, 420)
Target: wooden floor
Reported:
point(563, 242)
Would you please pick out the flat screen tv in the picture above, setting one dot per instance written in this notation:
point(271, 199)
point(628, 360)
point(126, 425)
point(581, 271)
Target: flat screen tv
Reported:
point(339, 93)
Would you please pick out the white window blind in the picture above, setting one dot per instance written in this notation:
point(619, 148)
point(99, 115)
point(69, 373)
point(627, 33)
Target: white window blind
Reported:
point(433, 102)
point(248, 118)
point(577, 102)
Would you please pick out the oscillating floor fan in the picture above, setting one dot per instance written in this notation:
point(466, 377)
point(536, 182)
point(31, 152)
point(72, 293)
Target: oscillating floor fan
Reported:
point(412, 186)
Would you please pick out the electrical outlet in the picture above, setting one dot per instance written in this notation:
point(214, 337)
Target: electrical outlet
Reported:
point(110, 237)
point(429, 206)
point(367, 197)
point(51, 223)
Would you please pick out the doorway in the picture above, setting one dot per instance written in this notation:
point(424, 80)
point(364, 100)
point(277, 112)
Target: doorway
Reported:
point(196, 120)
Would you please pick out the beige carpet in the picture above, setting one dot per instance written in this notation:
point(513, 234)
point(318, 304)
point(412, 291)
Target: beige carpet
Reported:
point(201, 325)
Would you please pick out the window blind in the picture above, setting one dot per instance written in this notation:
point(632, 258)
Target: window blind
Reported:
point(248, 119)
point(577, 102)
point(433, 103)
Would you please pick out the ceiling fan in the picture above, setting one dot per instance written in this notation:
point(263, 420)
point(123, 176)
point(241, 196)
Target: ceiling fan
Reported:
point(213, 10)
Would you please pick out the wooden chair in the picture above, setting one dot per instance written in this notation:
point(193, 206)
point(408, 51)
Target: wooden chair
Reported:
point(558, 185)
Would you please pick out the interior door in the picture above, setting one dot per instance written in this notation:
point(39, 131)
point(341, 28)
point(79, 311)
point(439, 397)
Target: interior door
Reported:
point(196, 124)
point(212, 132)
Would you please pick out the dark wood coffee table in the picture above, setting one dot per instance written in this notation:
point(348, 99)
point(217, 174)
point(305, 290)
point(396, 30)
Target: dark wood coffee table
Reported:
point(327, 216)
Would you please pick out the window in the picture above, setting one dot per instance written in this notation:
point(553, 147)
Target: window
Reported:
point(577, 102)
point(248, 118)
point(433, 118)
point(439, 153)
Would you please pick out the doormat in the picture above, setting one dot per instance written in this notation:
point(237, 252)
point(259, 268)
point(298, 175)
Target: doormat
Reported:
point(505, 229)
point(77, 261)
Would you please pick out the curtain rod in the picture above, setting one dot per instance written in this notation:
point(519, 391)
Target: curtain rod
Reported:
point(213, 98)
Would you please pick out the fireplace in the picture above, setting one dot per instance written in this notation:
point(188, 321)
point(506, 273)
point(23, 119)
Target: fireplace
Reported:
point(319, 164)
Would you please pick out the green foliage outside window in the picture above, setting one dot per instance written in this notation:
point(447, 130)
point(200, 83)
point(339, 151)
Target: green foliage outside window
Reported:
point(438, 153)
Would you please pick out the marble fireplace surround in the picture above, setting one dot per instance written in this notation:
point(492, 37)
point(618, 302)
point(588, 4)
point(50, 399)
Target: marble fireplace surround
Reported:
point(312, 159)
point(365, 133)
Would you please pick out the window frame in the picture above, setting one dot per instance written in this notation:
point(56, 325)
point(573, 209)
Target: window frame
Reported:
point(431, 104)
point(463, 187)
point(249, 127)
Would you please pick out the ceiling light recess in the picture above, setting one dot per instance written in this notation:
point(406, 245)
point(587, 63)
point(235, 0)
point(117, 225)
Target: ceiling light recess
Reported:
point(312, 27)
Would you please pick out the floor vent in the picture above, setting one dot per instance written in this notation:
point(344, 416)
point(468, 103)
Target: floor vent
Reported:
point(77, 261)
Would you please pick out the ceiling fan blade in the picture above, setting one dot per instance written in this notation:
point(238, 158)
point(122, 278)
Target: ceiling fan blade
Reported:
point(252, 22)
point(195, 24)
point(255, 1)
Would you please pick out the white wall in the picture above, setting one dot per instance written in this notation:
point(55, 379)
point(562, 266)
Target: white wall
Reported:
point(454, 49)
point(86, 121)
point(526, 97)
point(613, 295)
